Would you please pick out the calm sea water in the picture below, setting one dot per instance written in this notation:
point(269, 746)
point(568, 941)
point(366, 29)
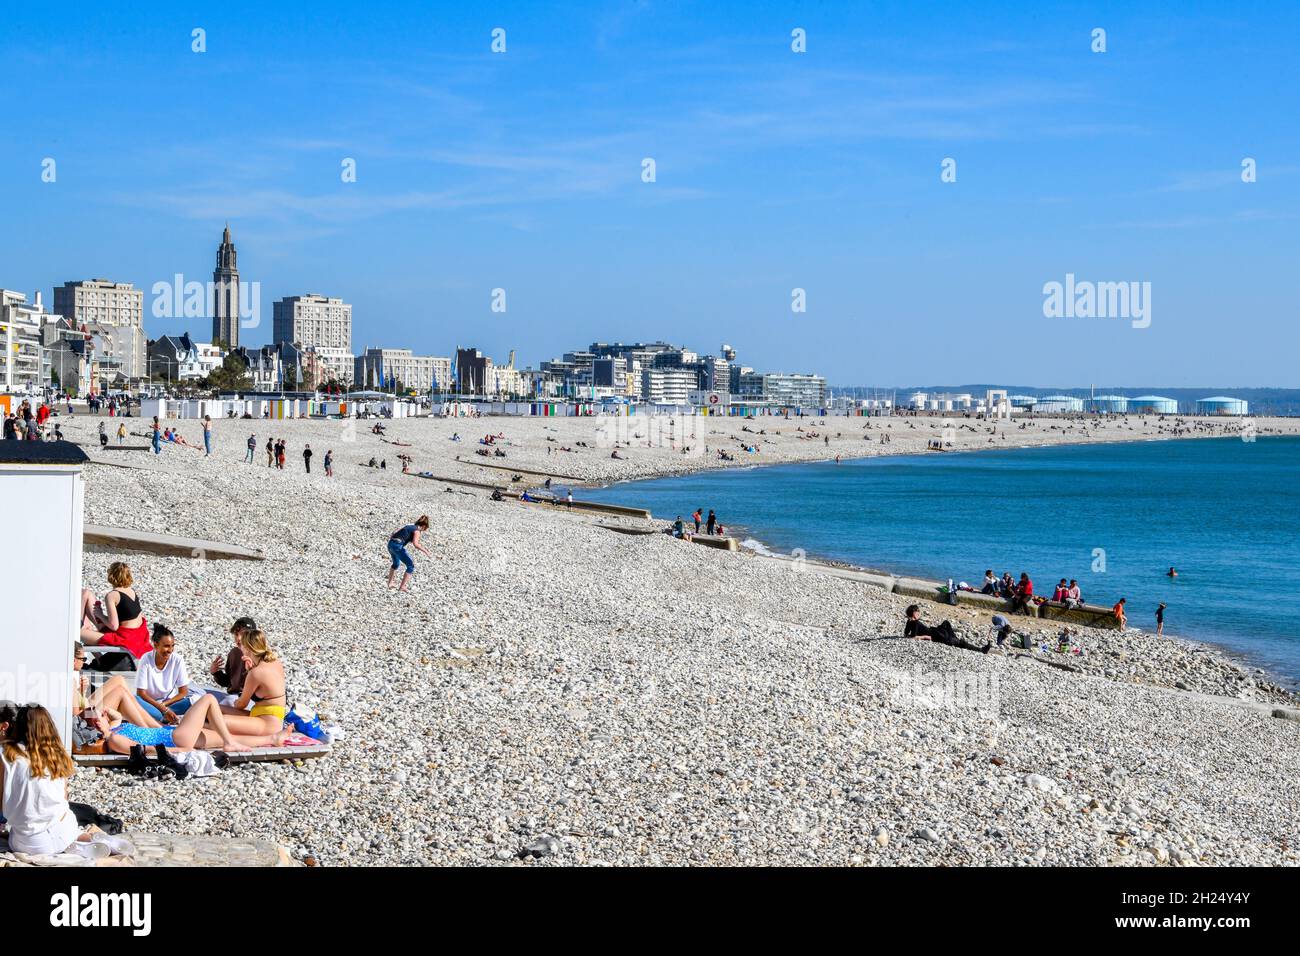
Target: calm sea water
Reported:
point(1225, 513)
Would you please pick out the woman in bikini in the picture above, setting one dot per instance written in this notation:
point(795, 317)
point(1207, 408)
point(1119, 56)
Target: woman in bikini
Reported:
point(124, 623)
point(264, 688)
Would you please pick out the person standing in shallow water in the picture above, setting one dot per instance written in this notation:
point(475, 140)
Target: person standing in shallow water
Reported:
point(1160, 619)
point(397, 542)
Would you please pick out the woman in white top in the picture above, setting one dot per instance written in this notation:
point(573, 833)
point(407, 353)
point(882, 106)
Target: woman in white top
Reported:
point(34, 775)
point(162, 684)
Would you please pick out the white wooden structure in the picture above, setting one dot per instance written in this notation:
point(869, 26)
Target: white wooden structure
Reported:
point(40, 589)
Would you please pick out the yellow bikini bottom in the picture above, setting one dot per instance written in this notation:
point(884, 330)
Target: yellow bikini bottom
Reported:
point(269, 710)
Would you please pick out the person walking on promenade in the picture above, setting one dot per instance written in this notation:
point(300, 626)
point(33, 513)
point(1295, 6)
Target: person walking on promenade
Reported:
point(306, 458)
point(397, 543)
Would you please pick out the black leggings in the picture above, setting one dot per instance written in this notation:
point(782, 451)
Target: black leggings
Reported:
point(944, 634)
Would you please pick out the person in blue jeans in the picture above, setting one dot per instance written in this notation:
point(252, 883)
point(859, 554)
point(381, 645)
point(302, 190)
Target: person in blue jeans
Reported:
point(162, 684)
point(207, 435)
point(157, 437)
point(397, 544)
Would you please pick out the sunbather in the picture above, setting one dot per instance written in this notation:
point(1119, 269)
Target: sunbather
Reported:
point(204, 727)
point(123, 622)
point(264, 688)
point(941, 634)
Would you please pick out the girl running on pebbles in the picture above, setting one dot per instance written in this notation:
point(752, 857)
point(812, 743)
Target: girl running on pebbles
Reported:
point(397, 543)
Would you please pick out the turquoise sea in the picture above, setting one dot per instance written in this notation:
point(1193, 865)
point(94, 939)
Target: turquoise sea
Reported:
point(1224, 512)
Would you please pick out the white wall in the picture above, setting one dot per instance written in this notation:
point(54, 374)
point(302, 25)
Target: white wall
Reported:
point(41, 552)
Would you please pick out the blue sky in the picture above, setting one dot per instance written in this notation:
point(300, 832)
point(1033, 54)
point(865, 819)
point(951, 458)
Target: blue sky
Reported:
point(775, 170)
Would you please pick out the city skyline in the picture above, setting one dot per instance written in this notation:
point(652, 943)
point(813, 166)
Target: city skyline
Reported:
point(774, 171)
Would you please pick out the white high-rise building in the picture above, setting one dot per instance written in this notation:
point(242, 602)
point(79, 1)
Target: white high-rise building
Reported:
point(24, 365)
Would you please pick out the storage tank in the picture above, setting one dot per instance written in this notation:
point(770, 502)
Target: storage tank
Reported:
point(1221, 405)
point(1022, 401)
point(1058, 404)
point(1110, 404)
point(1152, 405)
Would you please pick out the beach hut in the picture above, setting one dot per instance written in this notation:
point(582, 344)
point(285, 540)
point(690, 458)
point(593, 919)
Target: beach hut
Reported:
point(42, 609)
point(1221, 405)
point(1153, 405)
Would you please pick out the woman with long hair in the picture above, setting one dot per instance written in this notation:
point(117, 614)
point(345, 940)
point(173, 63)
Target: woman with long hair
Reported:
point(34, 775)
point(122, 617)
point(264, 687)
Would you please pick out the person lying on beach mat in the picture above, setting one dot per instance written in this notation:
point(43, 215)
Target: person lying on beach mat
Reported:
point(942, 634)
point(203, 727)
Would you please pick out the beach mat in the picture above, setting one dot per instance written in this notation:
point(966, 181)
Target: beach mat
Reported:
point(309, 751)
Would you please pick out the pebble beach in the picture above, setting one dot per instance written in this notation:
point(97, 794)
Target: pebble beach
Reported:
point(553, 693)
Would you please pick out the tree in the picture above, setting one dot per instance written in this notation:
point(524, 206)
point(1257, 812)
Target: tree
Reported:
point(231, 376)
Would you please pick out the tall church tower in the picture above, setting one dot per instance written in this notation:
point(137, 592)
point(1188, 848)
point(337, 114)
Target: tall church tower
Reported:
point(225, 294)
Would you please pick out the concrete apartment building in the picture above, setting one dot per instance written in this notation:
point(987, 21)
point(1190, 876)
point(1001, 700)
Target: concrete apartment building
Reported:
point(374, 367)
point(313, 319)
point(668, 386)
point(25, 364)
point(477, 374)
point(114, 305)
point(784, 390)
point(314, 332)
